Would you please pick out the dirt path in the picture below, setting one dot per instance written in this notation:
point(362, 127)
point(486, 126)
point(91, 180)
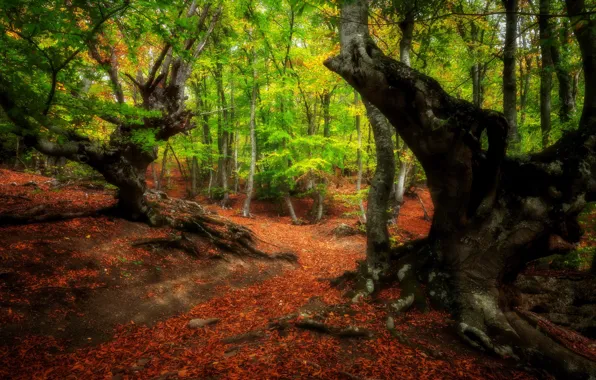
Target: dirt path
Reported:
point(245, 295)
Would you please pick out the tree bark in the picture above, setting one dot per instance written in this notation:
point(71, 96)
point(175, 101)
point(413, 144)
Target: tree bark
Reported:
point(509, 79)
point(546, 72)
point(377, 216)
point(566, 98)
point(164, 164)
point(253, 141)
point(223, 137)
point(405, 47)
point(288, 201)
point(326, 104)
point(359, 155)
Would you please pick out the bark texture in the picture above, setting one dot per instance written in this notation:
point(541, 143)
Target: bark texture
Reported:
point(546, 71)
point(253, 144)
point(509, 77)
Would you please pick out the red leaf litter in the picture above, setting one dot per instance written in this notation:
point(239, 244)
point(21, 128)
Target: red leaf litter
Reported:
point(247, 301)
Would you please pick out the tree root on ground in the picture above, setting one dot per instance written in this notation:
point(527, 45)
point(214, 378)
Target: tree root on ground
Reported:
point(191, 218)
point(484, 321)
point(407, 342)
point(181, 242)
point(37, 215)
point(346, 332)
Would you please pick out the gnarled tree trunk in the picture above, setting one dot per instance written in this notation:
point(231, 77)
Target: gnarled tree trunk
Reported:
point(492, 214)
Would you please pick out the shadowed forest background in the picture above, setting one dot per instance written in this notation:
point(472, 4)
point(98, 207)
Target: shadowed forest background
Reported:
point(298, 189)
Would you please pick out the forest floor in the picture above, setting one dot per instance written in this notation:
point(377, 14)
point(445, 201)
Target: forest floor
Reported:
point(78, 300)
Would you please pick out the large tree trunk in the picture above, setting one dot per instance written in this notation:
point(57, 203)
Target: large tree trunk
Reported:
point(377, 216)
point(492, 214)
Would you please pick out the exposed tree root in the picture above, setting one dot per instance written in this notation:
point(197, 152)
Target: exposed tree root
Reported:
point(407, 342)
point(181, 242)
point(14, 197)
point(347, 332)
point(190, 217)
point(483, 322)
point(37, 215)
point(566, 338)
point(542, 351)
point(342, 281)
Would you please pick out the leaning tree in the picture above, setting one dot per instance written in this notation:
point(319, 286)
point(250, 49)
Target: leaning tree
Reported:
point(493, 213)
point(47, 42)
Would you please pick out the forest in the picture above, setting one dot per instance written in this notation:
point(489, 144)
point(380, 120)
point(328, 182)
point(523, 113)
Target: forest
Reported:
point(289, 189)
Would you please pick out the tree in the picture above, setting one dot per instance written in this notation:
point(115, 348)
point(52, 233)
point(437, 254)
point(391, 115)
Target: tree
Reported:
point(546, 71)
point(493, 214)
point(130, 149)
point(253, 139)
point(509, 77)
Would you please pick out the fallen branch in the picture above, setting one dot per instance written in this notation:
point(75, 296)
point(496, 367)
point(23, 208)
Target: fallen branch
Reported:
point(243, 338)
point(348, 332)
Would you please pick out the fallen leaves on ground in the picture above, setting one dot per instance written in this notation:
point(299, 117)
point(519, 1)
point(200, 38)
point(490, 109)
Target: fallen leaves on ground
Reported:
point(169, 349)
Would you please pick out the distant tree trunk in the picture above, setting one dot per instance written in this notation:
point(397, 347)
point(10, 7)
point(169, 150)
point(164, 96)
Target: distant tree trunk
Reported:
point(525, 76)
point(164, 164)
point(194, 174)
point(320, 200)
point(154, 175)
point(253, 141)
point(17, 153)
point(359, 157)
point(180, 168)
point(509, 79)
point(288, 201)
point(400, 187)
point(235, 136)
point(224, 137)
point(210, 186)
point(546, 77)
point(326, 103)
point(407, 30)
point(566, 98)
